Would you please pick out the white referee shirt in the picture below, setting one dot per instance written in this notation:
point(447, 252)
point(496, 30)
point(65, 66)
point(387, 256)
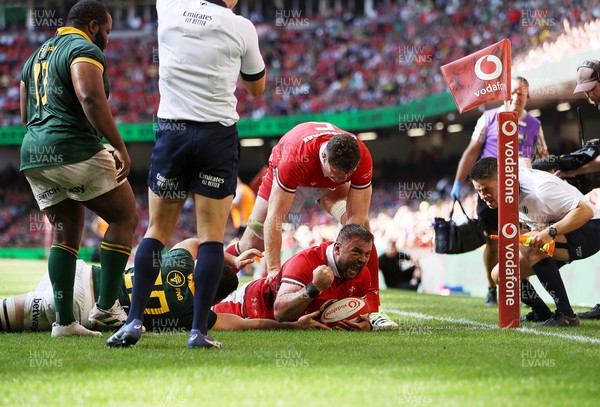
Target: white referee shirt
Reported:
point(202, 49)
point(545, 199)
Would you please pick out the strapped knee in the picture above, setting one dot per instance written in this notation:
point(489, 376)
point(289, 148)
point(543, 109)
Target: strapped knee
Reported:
point(338, 210)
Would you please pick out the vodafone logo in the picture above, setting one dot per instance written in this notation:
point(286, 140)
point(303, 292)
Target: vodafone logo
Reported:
point(491, 87)
point(513, 128)
point(353, 304)
point(509, 230)
point(488, 76)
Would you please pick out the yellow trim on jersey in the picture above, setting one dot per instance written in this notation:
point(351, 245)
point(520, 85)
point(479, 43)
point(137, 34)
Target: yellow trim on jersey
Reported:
point(191, 284)
point(89, 60)
point(216, 324)
point(71, 250)
point(72, 30)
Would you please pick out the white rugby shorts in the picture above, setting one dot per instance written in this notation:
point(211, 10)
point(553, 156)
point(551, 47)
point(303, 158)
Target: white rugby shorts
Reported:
point(80, 181)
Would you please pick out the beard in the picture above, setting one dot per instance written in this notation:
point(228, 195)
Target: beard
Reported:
point(100, 42)
point(350, 270)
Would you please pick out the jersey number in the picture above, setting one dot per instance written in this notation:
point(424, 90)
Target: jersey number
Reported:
point(40, 72)
point(159, 294)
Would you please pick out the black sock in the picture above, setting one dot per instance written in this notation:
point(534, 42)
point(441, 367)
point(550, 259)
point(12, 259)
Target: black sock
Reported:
point(147, 263)
point(530, 297)
point(207, 276)
point(548, 274)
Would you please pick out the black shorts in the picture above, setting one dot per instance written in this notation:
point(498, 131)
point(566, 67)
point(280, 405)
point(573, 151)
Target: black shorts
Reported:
point(486, 216)
point(585, 241)
point(188, 156)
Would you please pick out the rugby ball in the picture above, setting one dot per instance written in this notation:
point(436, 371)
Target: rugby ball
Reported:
point(346, 308)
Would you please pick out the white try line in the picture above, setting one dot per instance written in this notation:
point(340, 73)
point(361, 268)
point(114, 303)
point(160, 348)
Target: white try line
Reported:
point(578, 338)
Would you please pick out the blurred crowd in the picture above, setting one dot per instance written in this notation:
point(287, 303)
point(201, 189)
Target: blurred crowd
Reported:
point(323, 64)
point(400, 211)
point(337, 62)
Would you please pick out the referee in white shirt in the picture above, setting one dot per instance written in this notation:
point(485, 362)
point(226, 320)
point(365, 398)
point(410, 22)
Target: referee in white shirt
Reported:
point(203, 48)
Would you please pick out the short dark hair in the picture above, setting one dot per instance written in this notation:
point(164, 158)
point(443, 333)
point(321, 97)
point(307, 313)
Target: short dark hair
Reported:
point(83, 12)
point(484, 169)
point(229, 283)
point(343, 152)
point(352, 231)
point(524, 81)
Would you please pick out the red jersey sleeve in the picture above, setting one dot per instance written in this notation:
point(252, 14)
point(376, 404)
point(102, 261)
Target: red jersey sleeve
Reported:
point(297, 270)
point(361, 178)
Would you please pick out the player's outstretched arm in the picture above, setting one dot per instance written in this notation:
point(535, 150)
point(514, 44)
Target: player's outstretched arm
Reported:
point(280, 203)
point(357, 206)
point(232, 322)
point(241, 261)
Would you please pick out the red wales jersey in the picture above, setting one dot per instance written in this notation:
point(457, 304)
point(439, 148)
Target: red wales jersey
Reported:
point(260, 296)
point(295, 159)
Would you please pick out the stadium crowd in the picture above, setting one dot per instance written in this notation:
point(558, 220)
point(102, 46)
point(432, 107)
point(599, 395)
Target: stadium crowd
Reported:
point(389, 58)
point(398, 212)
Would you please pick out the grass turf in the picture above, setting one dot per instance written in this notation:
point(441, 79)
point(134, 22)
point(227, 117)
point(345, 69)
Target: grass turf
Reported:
point(425, 362)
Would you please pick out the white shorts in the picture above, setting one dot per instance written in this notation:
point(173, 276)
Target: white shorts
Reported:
point(39, 310)
point(80, 181)
point(304, 193)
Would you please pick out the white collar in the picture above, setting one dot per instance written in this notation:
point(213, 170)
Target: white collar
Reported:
point(330, 260)
point(321, 151)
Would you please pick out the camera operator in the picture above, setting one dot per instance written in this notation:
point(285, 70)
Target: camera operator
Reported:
point(588, 82)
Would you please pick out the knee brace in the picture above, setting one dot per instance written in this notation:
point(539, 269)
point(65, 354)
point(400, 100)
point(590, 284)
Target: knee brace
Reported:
point(338, 210)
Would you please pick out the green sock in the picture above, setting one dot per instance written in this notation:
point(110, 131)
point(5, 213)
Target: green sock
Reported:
point(113, 259)
point(61, 268)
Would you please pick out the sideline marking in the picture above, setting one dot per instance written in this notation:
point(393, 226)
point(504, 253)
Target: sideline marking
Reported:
point(418, 315)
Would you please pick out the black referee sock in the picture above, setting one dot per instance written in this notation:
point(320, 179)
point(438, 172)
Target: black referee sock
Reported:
point(147, 263)
point(547, 272)
point(207, 276)
point(530, 297)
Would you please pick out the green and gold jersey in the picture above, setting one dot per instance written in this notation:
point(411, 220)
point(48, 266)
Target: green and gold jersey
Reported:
point(58, 132)
point(171, 304)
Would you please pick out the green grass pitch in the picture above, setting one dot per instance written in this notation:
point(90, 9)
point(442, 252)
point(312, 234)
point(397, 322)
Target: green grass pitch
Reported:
point(447, 352)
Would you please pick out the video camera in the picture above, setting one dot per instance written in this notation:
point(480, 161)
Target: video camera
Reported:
point(566, 162)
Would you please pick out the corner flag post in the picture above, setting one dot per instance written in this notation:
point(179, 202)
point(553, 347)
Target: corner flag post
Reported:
point(509, 281)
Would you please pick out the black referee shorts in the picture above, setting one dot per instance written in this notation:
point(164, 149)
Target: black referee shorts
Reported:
point(202, 158)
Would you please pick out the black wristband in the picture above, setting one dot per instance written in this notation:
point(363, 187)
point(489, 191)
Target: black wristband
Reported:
point(311, 290)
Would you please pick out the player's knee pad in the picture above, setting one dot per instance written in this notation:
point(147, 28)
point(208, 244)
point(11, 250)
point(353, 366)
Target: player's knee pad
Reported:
point(338, 210)
point(256, 227)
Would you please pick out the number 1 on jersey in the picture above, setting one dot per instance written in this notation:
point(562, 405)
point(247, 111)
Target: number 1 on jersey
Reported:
point(40, 72)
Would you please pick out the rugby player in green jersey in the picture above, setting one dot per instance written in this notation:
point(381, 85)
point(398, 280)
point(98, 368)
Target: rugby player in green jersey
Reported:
point(63, 99)
point(169, 310)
